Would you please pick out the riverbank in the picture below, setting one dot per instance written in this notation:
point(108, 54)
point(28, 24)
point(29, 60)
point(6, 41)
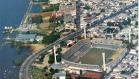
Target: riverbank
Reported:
point(34, 48)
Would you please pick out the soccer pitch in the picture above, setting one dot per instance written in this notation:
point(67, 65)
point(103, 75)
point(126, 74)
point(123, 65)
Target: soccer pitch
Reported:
point(94, 56)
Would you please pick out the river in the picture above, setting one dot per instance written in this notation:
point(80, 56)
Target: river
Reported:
point(11, 14)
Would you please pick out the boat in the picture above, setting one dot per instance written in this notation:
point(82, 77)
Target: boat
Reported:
point(8, 29)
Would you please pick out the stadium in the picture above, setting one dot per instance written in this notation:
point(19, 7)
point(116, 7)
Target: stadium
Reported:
point(87, 55)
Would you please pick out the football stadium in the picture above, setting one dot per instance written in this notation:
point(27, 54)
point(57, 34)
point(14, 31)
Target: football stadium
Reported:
point(87, 55)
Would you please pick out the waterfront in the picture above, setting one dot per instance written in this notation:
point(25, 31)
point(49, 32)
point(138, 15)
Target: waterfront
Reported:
point(11, 13)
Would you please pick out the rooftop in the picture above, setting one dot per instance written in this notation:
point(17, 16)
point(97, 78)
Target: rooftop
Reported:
point(59, 74)
point(25, 37)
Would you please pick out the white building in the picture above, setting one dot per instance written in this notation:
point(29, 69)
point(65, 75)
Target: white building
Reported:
point(59, 75)
point(133, 51)
point(39, 38)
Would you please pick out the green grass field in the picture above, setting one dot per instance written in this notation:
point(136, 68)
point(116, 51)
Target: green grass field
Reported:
point(38, 73)
point(94, 56)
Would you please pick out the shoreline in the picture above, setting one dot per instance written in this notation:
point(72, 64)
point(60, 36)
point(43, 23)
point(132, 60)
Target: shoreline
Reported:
point(34, 48)
point(25, 16)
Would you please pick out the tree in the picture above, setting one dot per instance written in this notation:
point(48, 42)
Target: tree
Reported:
point(120, 25)
point(37, 19)
point(51, 38)
point(129, 20)
point(62, 21)
point(102, 10)
point(63, 43)
point(59, 57)
point(59, 50)
point(52, 71)
point(52, 7)
point(110, 24)
point(130, 45)
point(136, 24)
point(41, 58)
point(87, 7)
point(51, 59)
point(53, 26)
point(125, 22)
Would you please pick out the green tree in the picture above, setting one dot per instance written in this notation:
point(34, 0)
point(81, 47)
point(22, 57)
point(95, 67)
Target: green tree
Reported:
point(125, 22)
point(102, 10)
point(52, 7)
point(59, 57)
point(129, 20)
point(52, 71)
point(59, 50)
point(41, 57)
point(87, 7)
point(130, 45)
point(51, 38)
point(136, 24)
point(37, 19)
point(63, 43)
point(51, 59)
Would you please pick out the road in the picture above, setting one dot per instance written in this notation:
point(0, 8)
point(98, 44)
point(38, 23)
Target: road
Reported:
point(99, 21)
point(24, 74)
point(26, 14)
point(78, 14)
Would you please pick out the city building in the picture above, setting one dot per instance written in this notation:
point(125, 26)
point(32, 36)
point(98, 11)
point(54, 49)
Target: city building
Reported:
point(68, 8)
point(25, 37)
point(68, 18)
point(59, 75)
point(70, 26)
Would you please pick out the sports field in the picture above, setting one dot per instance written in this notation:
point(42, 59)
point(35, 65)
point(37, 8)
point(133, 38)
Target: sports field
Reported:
point(94, 56)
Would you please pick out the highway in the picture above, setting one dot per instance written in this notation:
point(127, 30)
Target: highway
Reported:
point(24, 74)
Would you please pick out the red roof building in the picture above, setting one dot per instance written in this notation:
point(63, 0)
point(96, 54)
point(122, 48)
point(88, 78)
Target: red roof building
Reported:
point(95, 75)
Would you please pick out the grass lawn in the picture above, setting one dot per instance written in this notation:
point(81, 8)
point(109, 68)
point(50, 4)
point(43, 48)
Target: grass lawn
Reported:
point(94, 56)
point(38, 73)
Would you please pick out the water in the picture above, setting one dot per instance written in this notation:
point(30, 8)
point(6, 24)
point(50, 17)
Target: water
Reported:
point(36, 8)
point(11, 13)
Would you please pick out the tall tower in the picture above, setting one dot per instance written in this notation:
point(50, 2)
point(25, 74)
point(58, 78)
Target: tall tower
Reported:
point(54, 48)
point(129, 36)
point(84, 32)
point(112, 36)
point(91, 43)
point(104, 65)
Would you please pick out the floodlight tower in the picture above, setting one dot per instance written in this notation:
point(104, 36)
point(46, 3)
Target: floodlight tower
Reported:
point(129, 36)
point(84, 32)
point(112, 36)
point(54, 48)
point(104, 65)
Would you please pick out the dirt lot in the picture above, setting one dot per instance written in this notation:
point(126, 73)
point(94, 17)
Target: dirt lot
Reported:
point(35, 47)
